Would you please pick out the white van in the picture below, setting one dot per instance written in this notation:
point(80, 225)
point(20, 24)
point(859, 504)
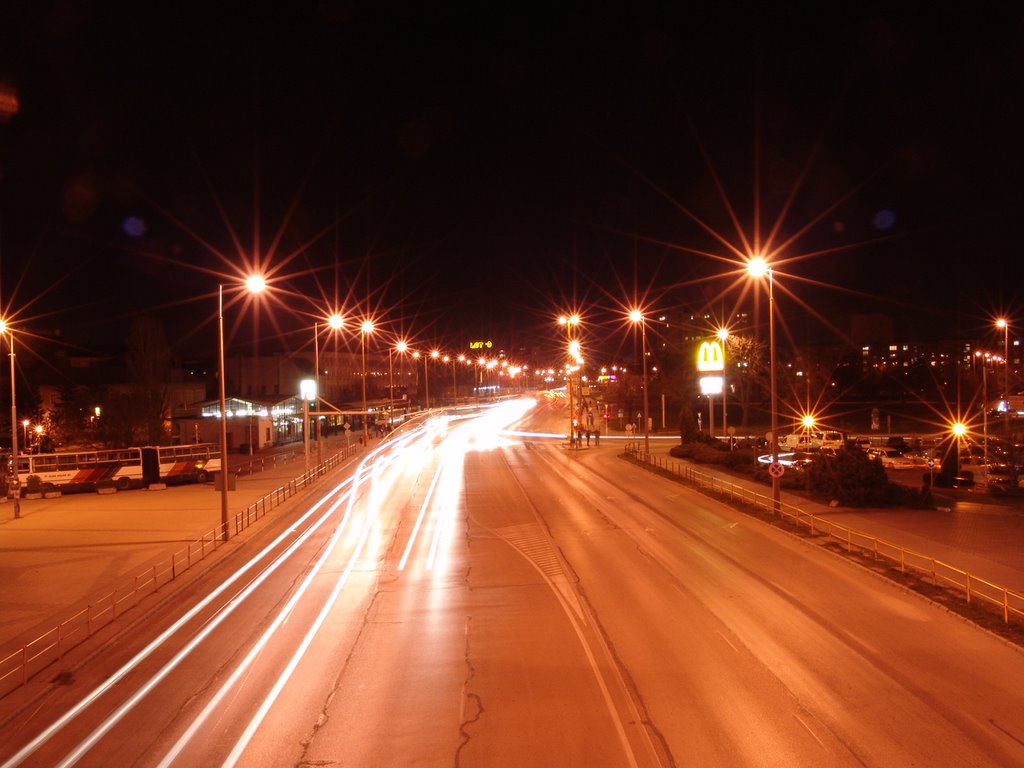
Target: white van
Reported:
point(814, 440)
point(798, 441)
point(829, 439)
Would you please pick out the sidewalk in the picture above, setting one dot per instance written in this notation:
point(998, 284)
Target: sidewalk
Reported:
point(983, 538)
point(65, 552)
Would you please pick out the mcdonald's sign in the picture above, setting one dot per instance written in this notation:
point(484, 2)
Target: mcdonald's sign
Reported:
point(710, 357)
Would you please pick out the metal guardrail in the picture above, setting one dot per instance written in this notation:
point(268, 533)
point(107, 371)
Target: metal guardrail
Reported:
point(941, 573)
point(17, 667)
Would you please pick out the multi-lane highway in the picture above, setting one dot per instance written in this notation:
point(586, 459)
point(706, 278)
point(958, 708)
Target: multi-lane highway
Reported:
point(471, 596)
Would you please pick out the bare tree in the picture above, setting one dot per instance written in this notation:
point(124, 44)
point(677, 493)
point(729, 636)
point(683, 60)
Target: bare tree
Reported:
point(149, 365)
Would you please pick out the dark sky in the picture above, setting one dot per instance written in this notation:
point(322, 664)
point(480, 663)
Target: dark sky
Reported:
point(466, 172)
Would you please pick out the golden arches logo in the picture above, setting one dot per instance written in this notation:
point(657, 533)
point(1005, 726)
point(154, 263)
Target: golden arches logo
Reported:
point(710, 357)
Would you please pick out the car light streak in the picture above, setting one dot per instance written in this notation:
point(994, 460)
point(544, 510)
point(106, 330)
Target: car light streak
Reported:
point(271, 630)
point(480, 433)
point(370, 463)
point(90, 698)
point(61, 722)
point(300, 652)
point(179, 657)
point(450, 489)
point(420, 516)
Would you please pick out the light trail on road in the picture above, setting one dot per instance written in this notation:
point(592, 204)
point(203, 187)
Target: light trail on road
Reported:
point(476, 594)
point(346, 488)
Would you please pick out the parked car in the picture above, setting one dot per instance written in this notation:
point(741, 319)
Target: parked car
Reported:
point(893, 459)
point(1002, 478)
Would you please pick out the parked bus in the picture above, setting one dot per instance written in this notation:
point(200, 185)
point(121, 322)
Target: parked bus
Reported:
point(175, 464)
point(123, 468)
point(82, 470)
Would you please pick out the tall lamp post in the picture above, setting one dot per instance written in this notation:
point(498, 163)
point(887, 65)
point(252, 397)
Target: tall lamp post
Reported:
point(1004, 324)
point(401, 347)
point(757, 267)
point(253, 284)
point(365, 328)
point(569, 321)
point(637, 317)
point(723, 335)
point(435, 355)
point(13, 488)
point(335, 322)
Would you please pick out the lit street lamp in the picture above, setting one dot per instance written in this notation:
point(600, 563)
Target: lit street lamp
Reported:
point(12, 483)
point(757, 267)
point(455, 386)
point(335, 322)
point(253, 284)
point(637, 317)
point(401, 347)
point(1003, 323)
point(364, 329)
point(434, 355)
point(723, 336)
point(569, 321)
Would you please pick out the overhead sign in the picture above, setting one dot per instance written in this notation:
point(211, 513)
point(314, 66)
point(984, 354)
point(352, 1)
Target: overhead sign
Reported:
point(711, 385)
point(710, 357)
point(481, 344)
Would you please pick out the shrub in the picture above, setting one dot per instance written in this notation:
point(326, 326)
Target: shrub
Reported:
point(716, 453)
point(854, 480)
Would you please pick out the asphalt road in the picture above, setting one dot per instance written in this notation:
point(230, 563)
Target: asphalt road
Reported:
point(481, 601)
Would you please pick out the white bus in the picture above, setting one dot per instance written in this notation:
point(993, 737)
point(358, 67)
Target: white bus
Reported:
point(175, 464)
point(122, 468)
point(82, 470)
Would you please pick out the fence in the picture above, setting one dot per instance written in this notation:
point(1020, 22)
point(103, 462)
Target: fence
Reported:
point(19, 666)
point(973, 587)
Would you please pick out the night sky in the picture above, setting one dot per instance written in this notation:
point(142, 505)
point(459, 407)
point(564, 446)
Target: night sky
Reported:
point(464, 172)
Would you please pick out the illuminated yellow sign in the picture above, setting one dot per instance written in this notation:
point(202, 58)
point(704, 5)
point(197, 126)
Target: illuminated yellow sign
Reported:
point(481, 344)
point(710, 357)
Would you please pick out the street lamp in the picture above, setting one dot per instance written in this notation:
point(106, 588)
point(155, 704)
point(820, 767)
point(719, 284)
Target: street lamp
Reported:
point(12, 482)
point(569, 321)
point(253, 284)
point(434, 355)
point(455, 386)
point(365, 328)
point(757, 267)
point(401, 347)
point(637, 317)
point(335, 322)
point(1003, 323)
point(723, 336)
